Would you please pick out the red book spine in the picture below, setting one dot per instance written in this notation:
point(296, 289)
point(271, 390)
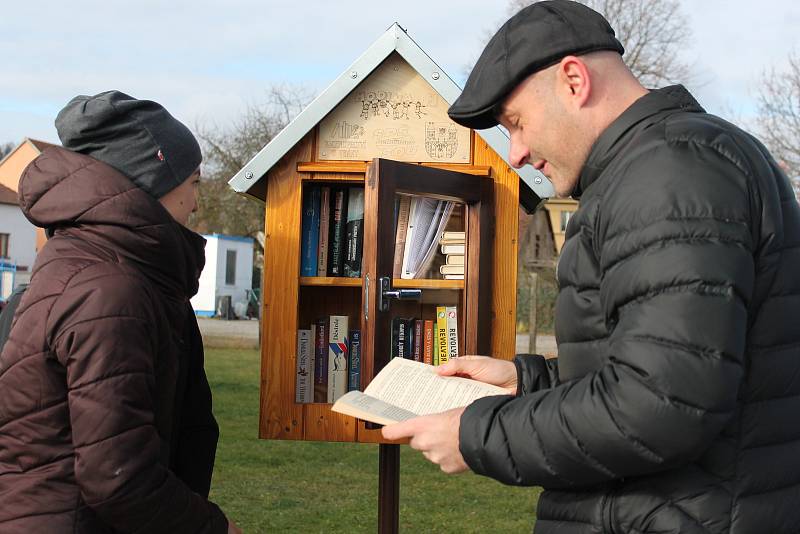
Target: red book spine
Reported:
point(427, 350)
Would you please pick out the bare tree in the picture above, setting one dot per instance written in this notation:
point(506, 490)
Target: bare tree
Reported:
point(779, 114)
point(5, 149)
point(653, 33)
point(220, 209)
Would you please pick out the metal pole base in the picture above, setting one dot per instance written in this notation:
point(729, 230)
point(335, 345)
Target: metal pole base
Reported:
point(388, 489)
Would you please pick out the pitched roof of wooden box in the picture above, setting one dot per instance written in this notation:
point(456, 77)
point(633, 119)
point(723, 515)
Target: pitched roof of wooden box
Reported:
point(250, 179)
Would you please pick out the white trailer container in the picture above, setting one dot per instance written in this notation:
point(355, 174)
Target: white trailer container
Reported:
point(227, 277)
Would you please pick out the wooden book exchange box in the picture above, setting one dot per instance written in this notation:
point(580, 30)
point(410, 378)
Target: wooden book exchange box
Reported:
point(382, 126)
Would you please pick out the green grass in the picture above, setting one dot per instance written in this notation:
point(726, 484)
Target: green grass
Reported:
point(293, 486)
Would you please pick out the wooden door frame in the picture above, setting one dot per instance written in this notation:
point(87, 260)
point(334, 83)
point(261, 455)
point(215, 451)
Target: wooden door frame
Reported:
point(385, 179)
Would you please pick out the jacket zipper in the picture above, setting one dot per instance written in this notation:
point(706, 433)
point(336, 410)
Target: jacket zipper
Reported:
point(608, 501)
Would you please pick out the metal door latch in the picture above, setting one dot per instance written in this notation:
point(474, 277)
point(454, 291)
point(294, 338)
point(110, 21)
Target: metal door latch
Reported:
point(386, 293)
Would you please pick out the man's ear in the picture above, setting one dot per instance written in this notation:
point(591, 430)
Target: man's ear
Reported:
point(573, 77)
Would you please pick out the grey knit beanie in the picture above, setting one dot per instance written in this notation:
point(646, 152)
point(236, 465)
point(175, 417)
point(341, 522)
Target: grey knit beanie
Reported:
point(139, 138)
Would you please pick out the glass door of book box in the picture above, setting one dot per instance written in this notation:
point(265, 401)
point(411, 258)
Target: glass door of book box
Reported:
point(426, 269)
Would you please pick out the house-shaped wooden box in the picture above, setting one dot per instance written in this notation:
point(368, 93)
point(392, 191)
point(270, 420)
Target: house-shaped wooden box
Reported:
point(382, 125)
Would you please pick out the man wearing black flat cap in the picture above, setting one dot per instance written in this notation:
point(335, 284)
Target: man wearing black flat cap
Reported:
point(105, 408)
point(672, 405)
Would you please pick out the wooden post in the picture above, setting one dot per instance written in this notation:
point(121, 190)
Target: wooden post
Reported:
point(532, 301)
point(388, 489)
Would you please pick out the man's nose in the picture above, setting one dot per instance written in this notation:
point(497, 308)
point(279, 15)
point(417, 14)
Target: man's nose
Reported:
point(518, 154)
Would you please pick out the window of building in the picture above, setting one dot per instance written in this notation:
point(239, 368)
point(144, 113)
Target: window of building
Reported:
point(565, 215)
point(230, 268)
point(4, 238)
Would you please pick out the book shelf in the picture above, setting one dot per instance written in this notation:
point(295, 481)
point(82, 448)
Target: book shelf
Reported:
point(428, 284)
point(329, 281)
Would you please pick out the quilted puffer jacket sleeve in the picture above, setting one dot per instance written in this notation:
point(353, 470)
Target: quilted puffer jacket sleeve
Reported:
point(534, 372)
point(676, 263)
point(104, 337)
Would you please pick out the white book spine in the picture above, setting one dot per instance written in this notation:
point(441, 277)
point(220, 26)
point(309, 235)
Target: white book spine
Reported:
point(408, 248)
point(454, 235)
point(452, 332)
point(304, 391)
point(453, 249)
point(454, 259)
point(337, 357)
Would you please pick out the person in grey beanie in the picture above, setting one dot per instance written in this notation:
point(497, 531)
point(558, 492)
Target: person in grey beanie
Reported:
point(106, 412)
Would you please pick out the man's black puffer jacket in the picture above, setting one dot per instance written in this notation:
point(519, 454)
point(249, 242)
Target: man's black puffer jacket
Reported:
point(676, 402)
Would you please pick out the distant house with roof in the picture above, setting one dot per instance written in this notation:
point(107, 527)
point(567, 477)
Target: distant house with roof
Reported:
point(17, 243)
point(11, 168)
point(560, 211)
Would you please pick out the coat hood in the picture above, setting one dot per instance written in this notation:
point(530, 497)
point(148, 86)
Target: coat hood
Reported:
point(74, 195)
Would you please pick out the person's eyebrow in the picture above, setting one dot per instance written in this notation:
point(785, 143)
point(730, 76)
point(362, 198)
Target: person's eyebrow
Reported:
point(501, 111)
point(498, 112)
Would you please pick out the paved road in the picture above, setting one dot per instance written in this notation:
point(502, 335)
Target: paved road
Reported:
point(217, 332)
point(220, 333)
point(221, 328)
point(545, 345)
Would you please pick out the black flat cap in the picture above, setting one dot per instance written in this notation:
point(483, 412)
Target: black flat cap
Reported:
point(537, 37)
point(139, 138)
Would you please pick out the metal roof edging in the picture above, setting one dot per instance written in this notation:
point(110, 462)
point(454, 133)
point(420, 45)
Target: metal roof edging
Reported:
point(450, 91)
point(394, 39)
point(337, 91)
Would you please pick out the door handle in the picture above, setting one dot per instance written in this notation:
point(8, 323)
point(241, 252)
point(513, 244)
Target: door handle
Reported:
point(386, 293)
point(366, 298)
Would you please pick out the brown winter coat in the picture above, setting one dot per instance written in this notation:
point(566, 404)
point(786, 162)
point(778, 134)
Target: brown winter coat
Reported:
point(105, 411)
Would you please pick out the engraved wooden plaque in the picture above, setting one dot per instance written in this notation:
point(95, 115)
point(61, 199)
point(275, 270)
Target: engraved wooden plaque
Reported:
point(393, 114)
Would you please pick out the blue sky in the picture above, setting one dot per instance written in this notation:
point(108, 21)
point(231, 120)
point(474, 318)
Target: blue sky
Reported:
point(207, 60)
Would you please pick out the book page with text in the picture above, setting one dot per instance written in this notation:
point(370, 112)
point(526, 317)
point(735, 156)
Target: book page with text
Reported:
point(362, 406)
point(415, 386)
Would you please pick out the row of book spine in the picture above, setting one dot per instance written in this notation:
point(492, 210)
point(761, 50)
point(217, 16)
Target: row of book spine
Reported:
point(332, 231)
point(431, 341)
point(453, 246)
point(328, 360)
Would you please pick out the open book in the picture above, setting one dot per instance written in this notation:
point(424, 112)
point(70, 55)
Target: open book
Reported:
point(405, 389)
